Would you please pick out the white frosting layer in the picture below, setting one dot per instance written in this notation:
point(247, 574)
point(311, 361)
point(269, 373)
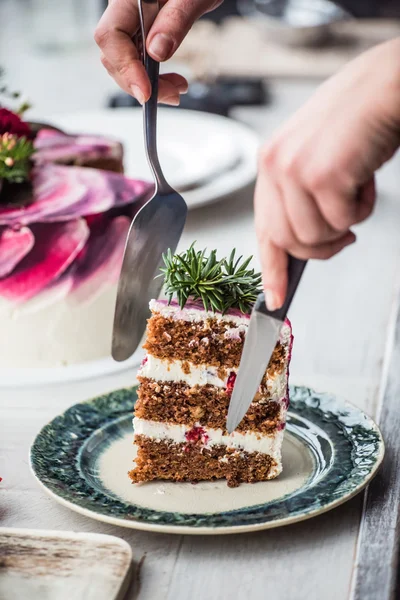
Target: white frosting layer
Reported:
point(162, 370)
point(247, 442)
point(56, 334)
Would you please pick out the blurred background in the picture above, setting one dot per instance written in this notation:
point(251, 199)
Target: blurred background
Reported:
point(235, 54)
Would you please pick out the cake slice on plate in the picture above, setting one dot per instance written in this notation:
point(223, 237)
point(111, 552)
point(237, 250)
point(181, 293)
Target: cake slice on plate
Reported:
point(194, 344)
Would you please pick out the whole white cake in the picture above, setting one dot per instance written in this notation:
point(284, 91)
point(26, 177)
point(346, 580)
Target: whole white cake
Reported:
point(62, 237)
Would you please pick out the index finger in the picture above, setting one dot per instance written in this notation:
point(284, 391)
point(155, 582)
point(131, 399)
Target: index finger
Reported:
point(113, 35)
point(274, 263)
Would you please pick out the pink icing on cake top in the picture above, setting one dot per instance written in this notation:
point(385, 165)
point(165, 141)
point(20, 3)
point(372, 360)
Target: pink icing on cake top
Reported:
point(197, 305)
point(54, 146)
point(75, 224)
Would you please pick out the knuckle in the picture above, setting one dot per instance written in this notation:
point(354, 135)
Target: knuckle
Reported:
point(178, 17)
point(282, 239)
point(342, 218)
point(123, 69)
point(288, 163)
point(279, 159)
point(101, 36)
point(318, 178)
point(106, 63)
point(267, 157)
point(309, 237)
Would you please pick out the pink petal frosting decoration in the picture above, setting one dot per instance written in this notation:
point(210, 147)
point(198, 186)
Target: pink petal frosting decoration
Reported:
point(55, 146)
point(14, 245)
point(62, 193)
point(101, 262)
point(44, 135)
point(56, 291)
point(53, 190)
point(55, 248)
point(104, 190)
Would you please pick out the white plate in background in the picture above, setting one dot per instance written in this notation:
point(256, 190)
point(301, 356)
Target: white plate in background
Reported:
point(217, 153)
point(17, 378)
point(190, 144)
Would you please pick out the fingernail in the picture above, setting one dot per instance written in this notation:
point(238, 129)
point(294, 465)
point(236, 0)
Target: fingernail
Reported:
point(172, 101)
point(161, 46)
point(272, 300)
point(137, 93)
point(183, 88)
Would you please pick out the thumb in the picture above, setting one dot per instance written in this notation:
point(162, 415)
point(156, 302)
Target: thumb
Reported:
point(274, 263)
point(172, 25)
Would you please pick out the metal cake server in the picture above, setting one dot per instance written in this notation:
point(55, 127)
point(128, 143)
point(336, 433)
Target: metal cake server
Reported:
point(260, 341)
point(156, 227)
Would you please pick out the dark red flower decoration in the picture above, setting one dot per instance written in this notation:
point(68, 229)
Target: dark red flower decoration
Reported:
point(12, 123)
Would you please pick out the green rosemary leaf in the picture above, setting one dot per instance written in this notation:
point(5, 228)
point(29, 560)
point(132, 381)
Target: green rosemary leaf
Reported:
point(218, 284)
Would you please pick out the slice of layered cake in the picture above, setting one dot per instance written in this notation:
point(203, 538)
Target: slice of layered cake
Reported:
point(194, 344)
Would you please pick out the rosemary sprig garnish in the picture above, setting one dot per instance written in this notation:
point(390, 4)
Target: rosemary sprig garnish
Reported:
point(15, 154)
point(218, 284)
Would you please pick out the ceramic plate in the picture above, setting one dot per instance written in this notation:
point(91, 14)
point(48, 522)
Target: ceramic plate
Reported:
point(212, 155)
point(331, 451)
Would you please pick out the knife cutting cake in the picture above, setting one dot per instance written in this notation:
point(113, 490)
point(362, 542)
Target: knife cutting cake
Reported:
point(65, 210)
point(193, 347)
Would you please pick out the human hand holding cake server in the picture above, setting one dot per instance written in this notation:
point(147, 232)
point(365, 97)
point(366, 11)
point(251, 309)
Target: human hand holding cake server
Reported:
point(156, 228)
point(262, 336)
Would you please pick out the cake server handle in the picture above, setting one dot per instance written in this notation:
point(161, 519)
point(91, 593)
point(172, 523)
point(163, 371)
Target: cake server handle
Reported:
point(148, 11)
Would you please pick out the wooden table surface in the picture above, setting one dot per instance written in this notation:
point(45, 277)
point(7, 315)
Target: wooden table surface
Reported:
point(340, 318)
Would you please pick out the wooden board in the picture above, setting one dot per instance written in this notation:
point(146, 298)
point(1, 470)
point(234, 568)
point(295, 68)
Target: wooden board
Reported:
point(376, 569)
point(41, 565)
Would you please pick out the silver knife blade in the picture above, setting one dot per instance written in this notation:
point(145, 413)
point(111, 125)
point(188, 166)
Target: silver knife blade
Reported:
point(261, 338)
point(260, 341)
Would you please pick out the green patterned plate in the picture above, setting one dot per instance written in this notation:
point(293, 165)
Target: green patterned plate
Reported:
point(330, 452)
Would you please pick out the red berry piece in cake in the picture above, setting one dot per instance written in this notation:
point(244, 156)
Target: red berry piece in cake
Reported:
point(231, 382)
point(196, 434)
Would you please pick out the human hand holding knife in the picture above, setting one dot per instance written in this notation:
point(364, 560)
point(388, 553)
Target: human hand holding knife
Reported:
point(261, 338)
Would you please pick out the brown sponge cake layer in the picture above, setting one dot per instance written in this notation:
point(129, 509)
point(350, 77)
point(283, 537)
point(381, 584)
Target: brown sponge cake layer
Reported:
point(163, 460)
point(202, 342)
point(207, 405)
